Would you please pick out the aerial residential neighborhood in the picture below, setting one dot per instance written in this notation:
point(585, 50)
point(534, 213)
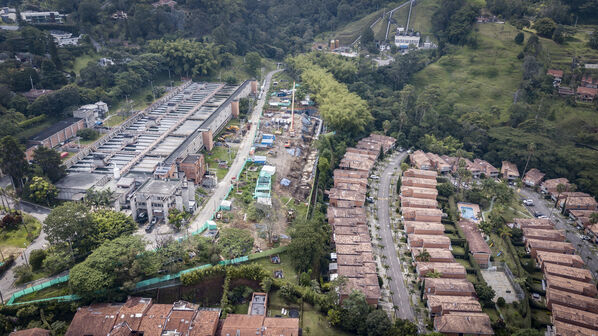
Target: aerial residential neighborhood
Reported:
point(286, 168)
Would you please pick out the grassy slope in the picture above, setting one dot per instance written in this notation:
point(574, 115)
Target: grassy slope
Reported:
point(482, 77)
point(421, 15)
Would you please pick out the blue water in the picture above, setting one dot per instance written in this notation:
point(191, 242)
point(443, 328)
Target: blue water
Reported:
point(467, 212)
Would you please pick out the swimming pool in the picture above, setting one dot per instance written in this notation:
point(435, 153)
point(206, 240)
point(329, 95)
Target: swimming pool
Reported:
point(467, 212)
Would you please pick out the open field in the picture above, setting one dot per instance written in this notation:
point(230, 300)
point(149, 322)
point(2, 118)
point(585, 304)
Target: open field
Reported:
point(477, 79)
point(12, 241)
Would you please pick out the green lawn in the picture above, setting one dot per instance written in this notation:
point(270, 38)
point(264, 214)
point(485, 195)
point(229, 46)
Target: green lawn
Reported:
point(421, 16)
point(19, 238)
point(478, 79)
point(349, 33)
point(285, 265)
point(82, 61)
point(60, 289)
point(220, 153)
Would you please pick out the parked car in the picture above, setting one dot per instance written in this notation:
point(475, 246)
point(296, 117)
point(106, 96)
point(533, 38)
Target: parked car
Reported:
point(150, 226)
point(528, 202)
point(538, 214)
point(141, 217)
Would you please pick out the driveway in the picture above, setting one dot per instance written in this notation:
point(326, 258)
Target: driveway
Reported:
point(400, 295)
point(585, 249)
point(243, 153)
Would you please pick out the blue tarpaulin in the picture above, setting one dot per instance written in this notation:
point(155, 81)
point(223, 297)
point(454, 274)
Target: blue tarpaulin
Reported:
point(285, 182)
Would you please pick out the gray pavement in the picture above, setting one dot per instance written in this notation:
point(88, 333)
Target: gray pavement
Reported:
point(585, 249)
point(400, 295)
point(7, 286)
point(223, 186)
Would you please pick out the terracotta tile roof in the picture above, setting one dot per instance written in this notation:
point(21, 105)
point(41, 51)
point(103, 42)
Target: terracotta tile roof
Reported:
point(571, 260)
point(538, 223)
point(566, 329)
point(418, 182)
point(346, 195)
point(242, 325)
point(357, 174)
point(550, 246)
point(574, 273)
point(414, 227)
point(447, 304)
point(586, 202)
point(488, 169)
point(420, 160)
point(409, 191)
point(415, 214)
point(281, 326)
point(420, 173)
point(533, 177)
point(96, 320)
point(439, 285)
point(414, 202)
point(575, 316)
point(564, 284)
point(550, 186)
point(438, 163)
point(509, 169)
point(132, 311)
point(205, 323)
point(445, 269)
point(543, 234)
point(31, 332)
point(587, 91)
point(577, 301)
point(418, 240)
point(555, 73)
point(436, 254)
point(474, 238)
point(464, 323)
point(154, 319)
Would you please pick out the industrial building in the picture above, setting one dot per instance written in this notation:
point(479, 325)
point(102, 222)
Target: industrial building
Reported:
point(158, 143)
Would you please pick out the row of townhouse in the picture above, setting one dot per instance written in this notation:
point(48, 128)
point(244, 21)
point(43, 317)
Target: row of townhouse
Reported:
point(142, 316)
point(353, 259)
point(450, 297)
point(570, 290)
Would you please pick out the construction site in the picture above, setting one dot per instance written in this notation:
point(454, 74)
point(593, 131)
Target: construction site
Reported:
point(276, 183)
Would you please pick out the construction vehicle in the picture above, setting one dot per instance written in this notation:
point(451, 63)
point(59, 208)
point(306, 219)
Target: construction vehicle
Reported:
point(232, 128)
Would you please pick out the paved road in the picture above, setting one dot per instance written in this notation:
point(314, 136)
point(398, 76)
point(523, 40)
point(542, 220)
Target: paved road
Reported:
point(7, 281)
point(242, 154)
point(583, 247)
point(400, 296)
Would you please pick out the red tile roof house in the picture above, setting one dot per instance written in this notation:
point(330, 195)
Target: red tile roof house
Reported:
point(31, 332)
point(424, 228)
point(571, 286)
point(533, 178)
point(458, 324)
point(580, 203)
point(435, 254)
point(420, 160)
point(419, 173)
point(557, 75)
point(418, 182)
point(571, 260)
point(438, 163)
point(550, 186)
point(477, 245)
point(439, 305)
point(587, 81)
point(422, 203)
point(428, 241)
point(585, 94)
point(581, 217)
point(566, 329)
point(488, 169)
point(509, 171)
point(533, 223)
point(421, 215)
point(573, 273)
point(543, 234)
point(453, 287)
point(427, 193)
point(354, 198)
point(575, 317)
point(535, 245)
point(576, 301)
point(446, 270)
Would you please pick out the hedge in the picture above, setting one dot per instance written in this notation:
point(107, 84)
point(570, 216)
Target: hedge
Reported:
point(32, 121)
point(7, 264)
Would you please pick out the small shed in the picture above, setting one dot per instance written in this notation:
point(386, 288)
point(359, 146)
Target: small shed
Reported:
point(258, 159)
point(226, 205)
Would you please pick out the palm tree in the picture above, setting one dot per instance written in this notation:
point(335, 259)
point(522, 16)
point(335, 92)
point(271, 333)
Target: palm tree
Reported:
point(560, 188)
point(531, 148)
point(423, 256)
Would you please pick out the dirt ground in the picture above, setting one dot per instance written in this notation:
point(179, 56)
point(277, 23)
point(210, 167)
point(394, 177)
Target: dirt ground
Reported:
point(288, 166)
